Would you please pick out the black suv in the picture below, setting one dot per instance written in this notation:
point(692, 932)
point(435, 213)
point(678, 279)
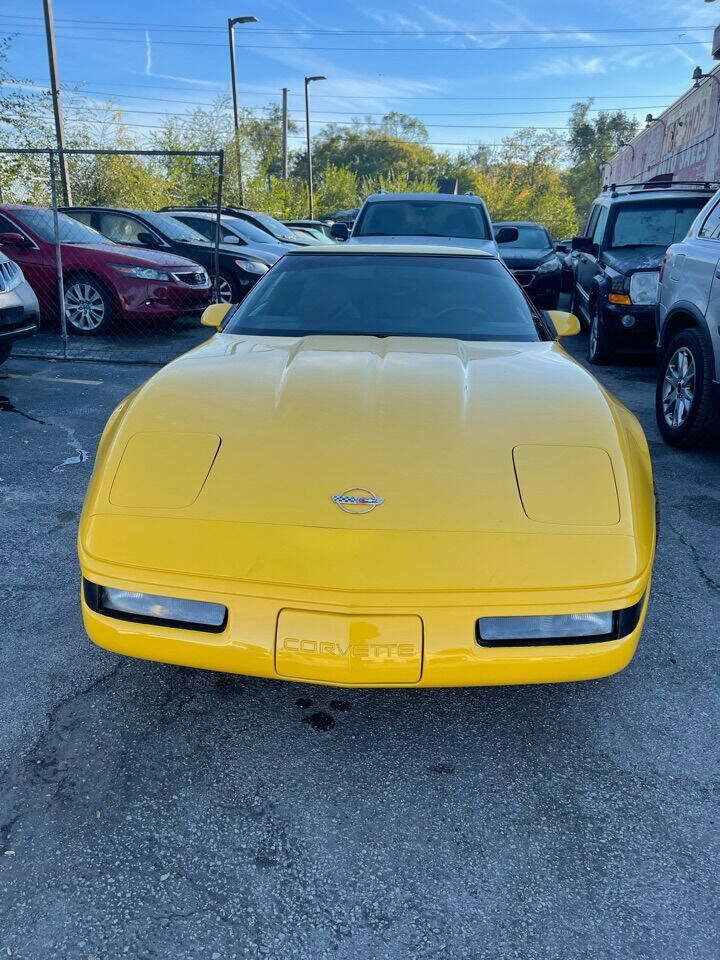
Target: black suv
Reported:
point(618, 256)
point(158, 231)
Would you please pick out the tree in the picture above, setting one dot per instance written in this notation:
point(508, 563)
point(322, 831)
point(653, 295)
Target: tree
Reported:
point(591, 143)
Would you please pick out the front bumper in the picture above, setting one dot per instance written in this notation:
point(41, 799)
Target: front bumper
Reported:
point(643, 329)
point(352, 640)
point(19, 313)
point(540, 287)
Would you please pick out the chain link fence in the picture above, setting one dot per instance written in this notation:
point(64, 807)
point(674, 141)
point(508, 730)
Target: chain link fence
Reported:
point(109, 277)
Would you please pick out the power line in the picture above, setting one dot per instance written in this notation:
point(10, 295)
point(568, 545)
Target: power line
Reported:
point(365, 97)
point(362, 31)
point(376, 49)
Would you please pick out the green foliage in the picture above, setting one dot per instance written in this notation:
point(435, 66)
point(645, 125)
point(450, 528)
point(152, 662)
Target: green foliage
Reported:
point(591, 144)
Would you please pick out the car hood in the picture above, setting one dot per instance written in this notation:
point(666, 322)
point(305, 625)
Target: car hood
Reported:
point(521, 259)
point(499, 466)
point(252, 252)
point(489, 246)
point(628, 259)
point(119, 253)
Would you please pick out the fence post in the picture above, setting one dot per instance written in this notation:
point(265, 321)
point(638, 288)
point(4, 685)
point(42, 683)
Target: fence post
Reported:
point(218, 226)
point(58, 254)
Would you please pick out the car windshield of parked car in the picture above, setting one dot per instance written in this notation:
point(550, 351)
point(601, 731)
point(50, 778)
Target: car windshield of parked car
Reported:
point(423, 218)
point(529, 238)
point(274, 226)
point(248, 231)
point(172, 228)
point(383, 295)
point(655, 224)
point(70, 230)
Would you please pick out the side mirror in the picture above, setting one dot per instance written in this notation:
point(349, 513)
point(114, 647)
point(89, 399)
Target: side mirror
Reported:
point(12, 239)
point(507, 235)
point(339, 231)
point(566, 324)
point(214, 315)
point(231, 238)
point(147, 239)
point(582, 244)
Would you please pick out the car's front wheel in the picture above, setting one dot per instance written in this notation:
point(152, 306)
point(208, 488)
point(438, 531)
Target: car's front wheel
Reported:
point(686, 413)
point(600, 344)
point(88, 306)
point(227, 288)
point(5, 351)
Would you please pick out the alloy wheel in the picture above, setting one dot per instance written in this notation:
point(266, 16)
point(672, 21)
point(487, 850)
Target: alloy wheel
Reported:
point(84, 306)
point(678, 390)
point(593, 334)
point(224, 291)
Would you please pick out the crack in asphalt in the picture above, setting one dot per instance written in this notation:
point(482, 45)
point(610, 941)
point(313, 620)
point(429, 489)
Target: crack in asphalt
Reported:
point(80, 455)
point(709, 581)
point(18, 780)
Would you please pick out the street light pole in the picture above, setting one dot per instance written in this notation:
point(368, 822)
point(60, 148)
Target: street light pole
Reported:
point(57, 106)
point(236, 116)
point(285, 133)
point(308, 81)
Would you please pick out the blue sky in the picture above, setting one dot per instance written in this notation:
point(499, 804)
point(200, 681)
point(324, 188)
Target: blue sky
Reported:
point(449, 63)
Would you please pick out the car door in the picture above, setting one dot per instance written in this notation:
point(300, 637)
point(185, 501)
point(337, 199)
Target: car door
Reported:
point(588, 261)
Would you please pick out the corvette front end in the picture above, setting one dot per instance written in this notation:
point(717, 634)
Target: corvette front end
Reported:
point(364, 512)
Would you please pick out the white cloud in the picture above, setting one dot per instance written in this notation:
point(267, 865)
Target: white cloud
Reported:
point(565, 67)
point(148, 53)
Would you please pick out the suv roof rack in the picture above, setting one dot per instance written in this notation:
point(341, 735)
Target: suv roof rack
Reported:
point(639, 187)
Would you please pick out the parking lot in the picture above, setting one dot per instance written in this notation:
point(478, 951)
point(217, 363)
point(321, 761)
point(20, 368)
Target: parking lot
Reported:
point(149, 810)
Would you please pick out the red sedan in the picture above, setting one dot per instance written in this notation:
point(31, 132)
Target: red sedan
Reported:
point(104, 281)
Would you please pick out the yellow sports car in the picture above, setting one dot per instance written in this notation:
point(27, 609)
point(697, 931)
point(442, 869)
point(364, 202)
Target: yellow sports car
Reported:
point(383, 470)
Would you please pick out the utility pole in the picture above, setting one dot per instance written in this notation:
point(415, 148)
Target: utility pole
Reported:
point(285, 133)
point(236, 116)
point(57, 106)
point(308, 81)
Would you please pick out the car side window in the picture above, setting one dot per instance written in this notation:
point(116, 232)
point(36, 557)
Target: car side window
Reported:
point(84, 216)
point(205, 227)
point(600, 224)
point(711, 227)
point(592, 220)
point(120, 228)
point(7, 226)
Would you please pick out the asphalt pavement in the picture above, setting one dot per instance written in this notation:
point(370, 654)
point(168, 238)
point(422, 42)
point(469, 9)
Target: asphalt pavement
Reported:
point(148, 811)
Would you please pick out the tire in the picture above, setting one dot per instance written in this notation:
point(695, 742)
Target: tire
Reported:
point(685, 408)
point(601, 348)
point(229, 288)
point(549, 303)
point(5, 351)
point(89, 307)
point(574, 309)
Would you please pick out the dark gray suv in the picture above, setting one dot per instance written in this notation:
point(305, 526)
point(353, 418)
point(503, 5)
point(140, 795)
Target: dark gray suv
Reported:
point(687, 399)
point(617, 260)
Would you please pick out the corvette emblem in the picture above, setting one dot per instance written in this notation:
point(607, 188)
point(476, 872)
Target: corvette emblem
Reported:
point(357, 500)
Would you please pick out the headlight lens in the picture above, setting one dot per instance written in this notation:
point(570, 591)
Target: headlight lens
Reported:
point(550, 266)
point(252, 266)
point(644, 286)
point(148, 606)
point(552, 627)
point(144, 273)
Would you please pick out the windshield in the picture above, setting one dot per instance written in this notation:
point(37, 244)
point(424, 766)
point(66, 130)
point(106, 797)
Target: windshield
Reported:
point(71, 230)
point(383, 295)
point(654, 224)
point(172, 228)
point(423, 218)
point(274, 226)
point(529, 238)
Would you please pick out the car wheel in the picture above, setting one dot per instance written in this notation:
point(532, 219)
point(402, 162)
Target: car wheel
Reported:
point(227, 289)
point(88, 306)
point(574, 308)
point(684, 405)
point(600, 345)
point(5, 351)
